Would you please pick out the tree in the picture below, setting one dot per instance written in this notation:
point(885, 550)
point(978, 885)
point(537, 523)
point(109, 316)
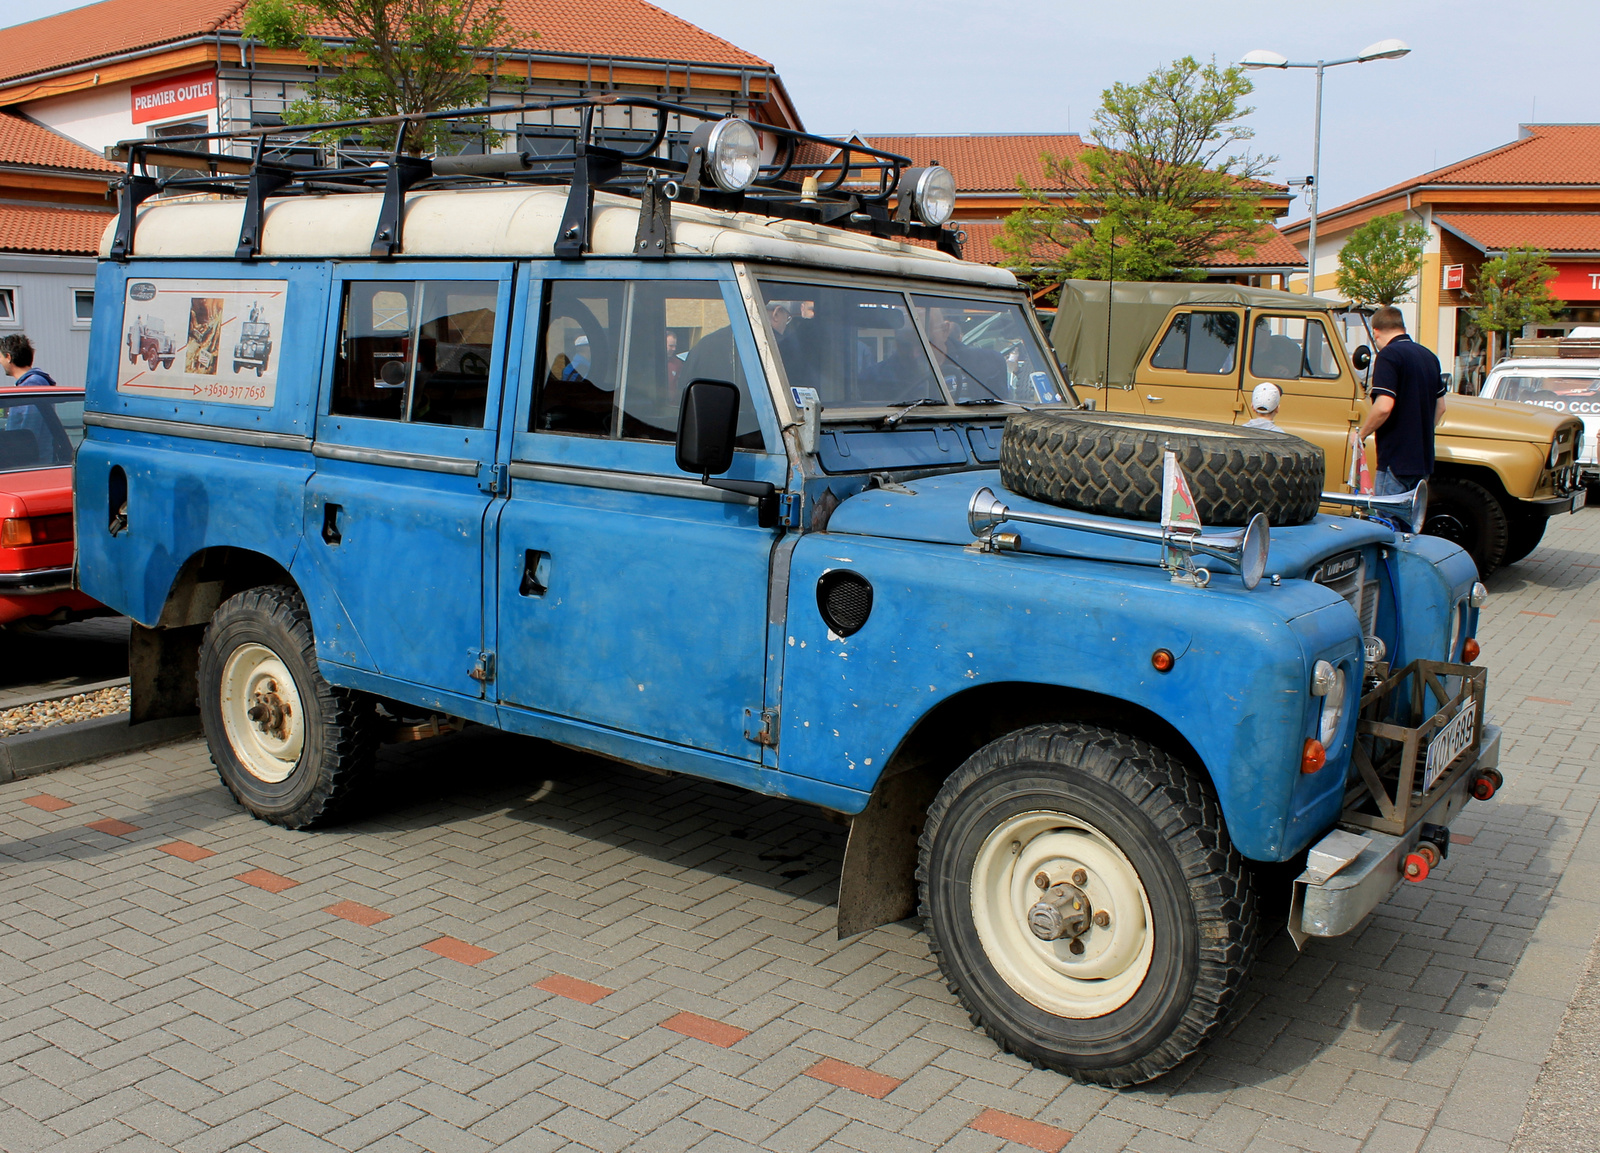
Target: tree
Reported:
point(1168, 184)
point(1380, 260)
point(1513, 291)
point(386, 58)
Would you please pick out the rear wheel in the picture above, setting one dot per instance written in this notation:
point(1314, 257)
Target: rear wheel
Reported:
point(1084, 902)
point(1527, 530)
point(1468, 514)
point(287, 744)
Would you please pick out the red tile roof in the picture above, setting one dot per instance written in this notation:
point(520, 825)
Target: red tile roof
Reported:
point(1274, 252)
point(24, 142)
point(623, 28)
point(24, 228)
point(1553, 231)
point(1546, 154)
point(985, 163)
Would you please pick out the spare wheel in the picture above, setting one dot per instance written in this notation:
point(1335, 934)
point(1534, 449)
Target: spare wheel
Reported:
point(1110, 463)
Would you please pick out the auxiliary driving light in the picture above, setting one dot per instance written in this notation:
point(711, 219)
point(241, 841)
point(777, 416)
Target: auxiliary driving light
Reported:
point(731, 152)
point(932, 192)
point(1313, 756)
point(1469, 650)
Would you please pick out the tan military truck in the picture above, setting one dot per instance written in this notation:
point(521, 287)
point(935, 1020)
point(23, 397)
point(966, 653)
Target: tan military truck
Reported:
point(1196, 350)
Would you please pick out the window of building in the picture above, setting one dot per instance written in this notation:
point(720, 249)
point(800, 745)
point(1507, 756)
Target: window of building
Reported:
point(82, 307)
point(416, 351)
point(1200, 342)
point(185, 128)
point(8, 307)
point(618, 354)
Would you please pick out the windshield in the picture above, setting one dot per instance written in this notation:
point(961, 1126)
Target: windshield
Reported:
point(39, 432)
point(1542, 386)
point(865, 348)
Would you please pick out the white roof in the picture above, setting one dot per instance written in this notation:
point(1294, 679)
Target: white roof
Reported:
point(509, 223)
point(1573, 364)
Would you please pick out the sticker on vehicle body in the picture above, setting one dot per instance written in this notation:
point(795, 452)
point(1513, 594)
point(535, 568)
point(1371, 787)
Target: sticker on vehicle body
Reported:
point(214, 341)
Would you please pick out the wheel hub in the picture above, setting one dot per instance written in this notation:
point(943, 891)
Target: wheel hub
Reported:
point(1063, 911)
point(262, 712)
point(271, 712)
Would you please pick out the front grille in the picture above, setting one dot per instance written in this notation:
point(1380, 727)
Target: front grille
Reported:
point(1346, 574)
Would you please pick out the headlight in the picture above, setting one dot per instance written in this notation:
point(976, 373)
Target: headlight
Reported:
point(1478, 595)
point(1555, 451)
point(1332, 710)
point(1323, 676)
point(932, 192)
point(731, 151)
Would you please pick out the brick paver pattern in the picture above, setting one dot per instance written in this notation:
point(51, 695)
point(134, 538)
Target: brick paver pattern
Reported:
point(516, 947)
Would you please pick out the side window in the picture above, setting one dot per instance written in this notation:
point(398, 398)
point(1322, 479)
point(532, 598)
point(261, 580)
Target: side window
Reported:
point(1213, 342)
point(1291, 347)
point(617, 356)
point(416, 351)
point(1174, 345)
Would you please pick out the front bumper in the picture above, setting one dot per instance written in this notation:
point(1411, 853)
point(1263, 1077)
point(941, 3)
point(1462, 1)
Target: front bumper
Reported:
point(1557, 505)
point(38, 580)
point(1330, 906)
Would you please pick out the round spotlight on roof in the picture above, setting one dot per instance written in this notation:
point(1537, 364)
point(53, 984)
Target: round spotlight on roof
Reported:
point(932, 192)
point(1262, 58)
point(731, 153)
point(1384, 50)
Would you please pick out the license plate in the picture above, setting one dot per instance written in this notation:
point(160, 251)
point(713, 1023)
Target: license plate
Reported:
point(1449, 743)
point(1579, 499)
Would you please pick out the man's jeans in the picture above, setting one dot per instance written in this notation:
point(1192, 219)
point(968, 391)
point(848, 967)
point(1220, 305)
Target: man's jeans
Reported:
point(1387, 483)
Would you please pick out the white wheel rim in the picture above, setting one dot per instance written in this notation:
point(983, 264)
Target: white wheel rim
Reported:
point(269, 743)
point(1115, 958)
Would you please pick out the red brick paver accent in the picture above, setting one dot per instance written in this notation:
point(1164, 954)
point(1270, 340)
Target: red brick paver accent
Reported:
point(184, 851)
point(1547, 700)
point(265, 879)
point(705, 1029)
point(570, 987)
point(1460, 839)
point(357, 912)
point(48, 803)
point(854, 1078)
point(1531, 613)
point(458, 950)
point(113, 827)
point(1046, 1138)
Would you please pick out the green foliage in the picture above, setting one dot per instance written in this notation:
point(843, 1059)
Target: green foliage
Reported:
point(1166, 187)
point(1514, 290)
point(387, 58)
point(1380, 260)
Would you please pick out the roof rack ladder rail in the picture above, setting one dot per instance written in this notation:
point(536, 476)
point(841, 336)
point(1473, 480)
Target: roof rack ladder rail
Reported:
point(134, 192)
point(265, 179)
point(404, 171)
point(589, 168)
point(654, 236)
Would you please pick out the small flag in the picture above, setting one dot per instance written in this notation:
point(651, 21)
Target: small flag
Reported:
point(1177, 502)
point(1363, 471)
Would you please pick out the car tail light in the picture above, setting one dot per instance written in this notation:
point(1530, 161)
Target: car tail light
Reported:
point(15, 531)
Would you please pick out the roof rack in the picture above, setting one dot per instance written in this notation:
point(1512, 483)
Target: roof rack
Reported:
point(852, 188)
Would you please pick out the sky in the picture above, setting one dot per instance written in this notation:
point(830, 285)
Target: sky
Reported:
point(1478, 68)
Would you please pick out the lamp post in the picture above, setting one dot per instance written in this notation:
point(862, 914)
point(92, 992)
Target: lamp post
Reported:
point(1262, 58)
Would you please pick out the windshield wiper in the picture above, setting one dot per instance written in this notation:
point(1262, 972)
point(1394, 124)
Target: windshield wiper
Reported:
point(985, 400)
point(895, 418)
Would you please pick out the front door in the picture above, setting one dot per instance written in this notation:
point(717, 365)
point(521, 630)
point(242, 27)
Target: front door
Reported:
point(1295, 353)
point(394, 514)
point(1192, 371)
point(631, 597)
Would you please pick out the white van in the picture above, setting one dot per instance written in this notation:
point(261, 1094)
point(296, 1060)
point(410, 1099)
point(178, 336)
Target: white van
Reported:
point(1568, 385)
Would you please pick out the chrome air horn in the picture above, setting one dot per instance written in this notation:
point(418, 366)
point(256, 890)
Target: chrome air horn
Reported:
point(1245, 549)
point(1411, 507)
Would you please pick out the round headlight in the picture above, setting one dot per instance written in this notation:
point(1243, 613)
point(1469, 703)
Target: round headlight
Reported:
point(732, 154)
point(932, 192)
point(1555, 451)
point(1478, 595)
point(1323, 675)
point(1332, 711)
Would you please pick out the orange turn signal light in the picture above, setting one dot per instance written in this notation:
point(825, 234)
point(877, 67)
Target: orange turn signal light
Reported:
point(1313, 756)
point(16, 531)
point(1470, 650)
point(1163, 660)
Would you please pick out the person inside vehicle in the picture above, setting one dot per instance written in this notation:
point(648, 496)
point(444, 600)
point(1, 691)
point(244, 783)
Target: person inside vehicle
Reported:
point(971, 373)
point(1264, 401)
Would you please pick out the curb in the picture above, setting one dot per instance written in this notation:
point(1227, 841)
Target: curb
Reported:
point(29, 754)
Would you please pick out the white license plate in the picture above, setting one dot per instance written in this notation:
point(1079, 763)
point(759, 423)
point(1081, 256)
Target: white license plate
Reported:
point(1449, 743)
point(1579, 499)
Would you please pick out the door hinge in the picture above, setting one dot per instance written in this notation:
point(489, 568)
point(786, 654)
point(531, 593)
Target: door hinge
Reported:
point(483, 669)
point(494, 479)
point(761, 726)
point(789, 509)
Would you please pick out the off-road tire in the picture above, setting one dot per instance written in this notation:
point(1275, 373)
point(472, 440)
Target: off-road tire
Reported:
point(1526, 531)
point(341, 725)
point(1466, 513)
point(1111, 463)
point(1168, 825)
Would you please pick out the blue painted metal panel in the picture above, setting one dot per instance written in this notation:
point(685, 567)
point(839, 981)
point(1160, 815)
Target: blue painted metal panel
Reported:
point(940, 446)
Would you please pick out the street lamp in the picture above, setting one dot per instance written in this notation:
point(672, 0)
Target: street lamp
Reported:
point(1262, 58)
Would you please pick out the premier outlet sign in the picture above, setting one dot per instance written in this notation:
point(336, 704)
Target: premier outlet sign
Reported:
point(174, 96)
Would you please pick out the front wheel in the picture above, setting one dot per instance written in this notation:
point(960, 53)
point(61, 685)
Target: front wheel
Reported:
point(1465, 513)
point(1085, 903)
point(1527, 530)
point(286, 743)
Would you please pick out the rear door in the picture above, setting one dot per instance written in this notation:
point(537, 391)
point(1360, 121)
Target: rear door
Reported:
point(394, 514)
point(1192, 369)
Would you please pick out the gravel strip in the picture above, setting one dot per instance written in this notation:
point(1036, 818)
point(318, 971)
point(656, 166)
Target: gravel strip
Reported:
point(78, 707)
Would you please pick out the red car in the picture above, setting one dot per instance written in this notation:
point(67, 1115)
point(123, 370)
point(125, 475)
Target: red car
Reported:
point(39, 430)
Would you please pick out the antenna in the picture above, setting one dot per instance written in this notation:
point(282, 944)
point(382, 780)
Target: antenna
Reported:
point(1111, 292)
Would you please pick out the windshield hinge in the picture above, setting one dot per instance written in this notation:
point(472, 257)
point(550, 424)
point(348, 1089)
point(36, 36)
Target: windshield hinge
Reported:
point(789, 509)
point(493, 478)
point(761, 727)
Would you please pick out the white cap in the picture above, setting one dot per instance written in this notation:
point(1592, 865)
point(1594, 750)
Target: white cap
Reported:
point(1265, 397)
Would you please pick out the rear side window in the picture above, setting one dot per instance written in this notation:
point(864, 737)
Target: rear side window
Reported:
point(618, 355)
point(1200, 342)
point(39, 433)
point(416, 351)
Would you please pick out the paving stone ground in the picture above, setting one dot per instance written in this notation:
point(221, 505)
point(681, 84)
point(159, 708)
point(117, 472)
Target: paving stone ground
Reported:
point(517, 947)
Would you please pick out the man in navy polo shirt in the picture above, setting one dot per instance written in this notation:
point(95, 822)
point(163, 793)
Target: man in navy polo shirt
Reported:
point(1408, 399)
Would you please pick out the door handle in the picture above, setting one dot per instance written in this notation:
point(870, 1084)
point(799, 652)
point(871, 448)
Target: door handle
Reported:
point(1153, 398)
point(330, 524)
point(535, 573)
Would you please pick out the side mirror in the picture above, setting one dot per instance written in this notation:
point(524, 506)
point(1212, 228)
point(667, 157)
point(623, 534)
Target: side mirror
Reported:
point(1361, 358)
point(708, 421)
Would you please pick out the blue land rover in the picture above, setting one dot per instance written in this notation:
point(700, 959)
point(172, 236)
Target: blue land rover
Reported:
point(712, 456)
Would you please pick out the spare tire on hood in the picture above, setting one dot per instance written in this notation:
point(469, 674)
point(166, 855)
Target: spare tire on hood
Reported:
point(1110, 463)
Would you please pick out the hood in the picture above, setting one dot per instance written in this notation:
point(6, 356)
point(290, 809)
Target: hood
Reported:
point(935, 510)
point(36, 492)
point(1482, 418)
